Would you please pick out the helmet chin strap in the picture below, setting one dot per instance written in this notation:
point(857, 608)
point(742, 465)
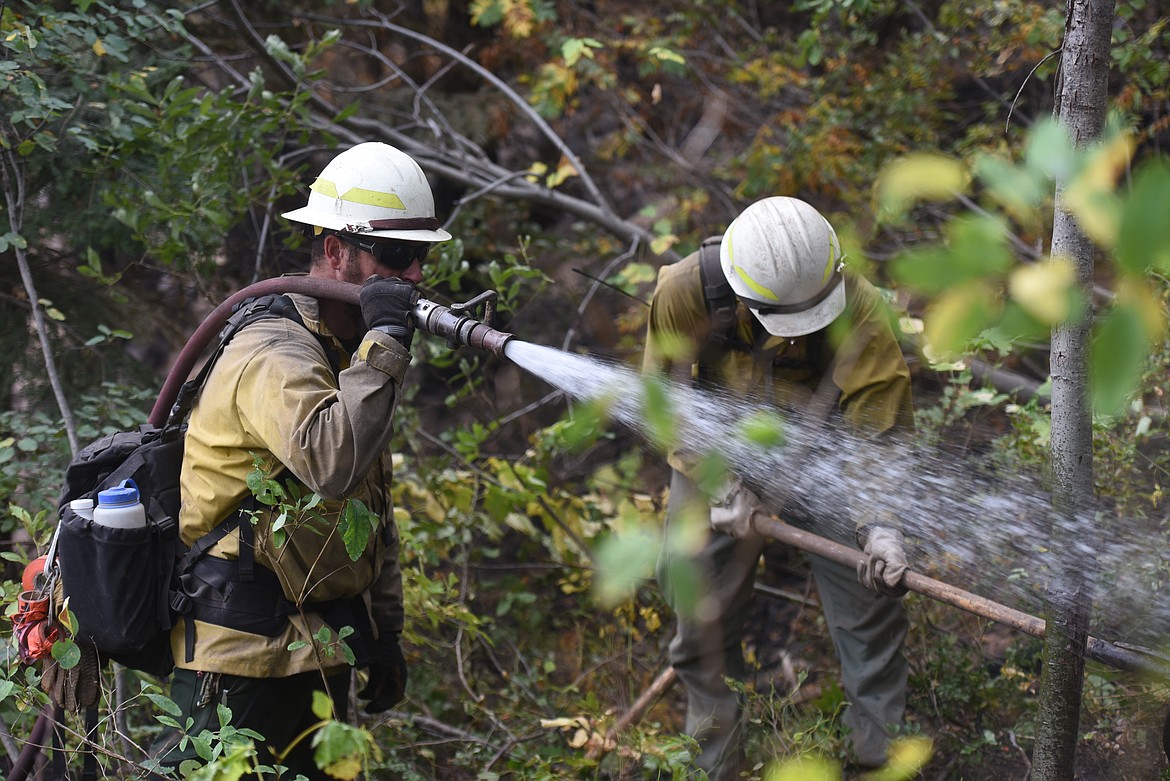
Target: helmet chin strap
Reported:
point(772, 308)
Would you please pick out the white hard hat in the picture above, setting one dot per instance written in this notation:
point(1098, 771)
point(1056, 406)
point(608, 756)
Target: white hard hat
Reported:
point(375, 190)
point(783, 260)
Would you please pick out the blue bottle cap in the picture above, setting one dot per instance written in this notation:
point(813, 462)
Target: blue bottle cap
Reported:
point(125, 492)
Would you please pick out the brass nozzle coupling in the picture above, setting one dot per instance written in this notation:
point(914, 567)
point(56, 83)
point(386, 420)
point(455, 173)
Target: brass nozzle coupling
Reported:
point(459, 328)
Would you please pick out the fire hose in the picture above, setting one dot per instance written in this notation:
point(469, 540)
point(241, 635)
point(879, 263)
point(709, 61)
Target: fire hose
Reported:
point(451, 322)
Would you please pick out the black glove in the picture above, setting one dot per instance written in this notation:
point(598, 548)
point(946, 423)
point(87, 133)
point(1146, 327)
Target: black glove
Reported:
point(387, 683)
point(387, 305)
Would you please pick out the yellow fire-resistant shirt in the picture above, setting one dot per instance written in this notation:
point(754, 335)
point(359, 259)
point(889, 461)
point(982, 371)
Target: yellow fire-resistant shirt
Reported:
point(273, 393)
point(870, 371)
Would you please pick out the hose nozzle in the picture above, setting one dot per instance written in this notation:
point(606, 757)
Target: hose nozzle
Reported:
point(458, 327)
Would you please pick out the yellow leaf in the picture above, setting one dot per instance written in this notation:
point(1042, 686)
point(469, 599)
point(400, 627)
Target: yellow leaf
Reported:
point(345, 768)
point(663, 243)
point(537, 170)
point(563, 722)
point(955, 317)
point(1136, 292)
point(1091, 195)
point(910, 325)
point(907, 756)
point(99, 48)
point(803, 769)
point(521, 523)
point(579, 739)
point(565, 169)
point(64, 617)
point(1042, 289)
point(930, 177)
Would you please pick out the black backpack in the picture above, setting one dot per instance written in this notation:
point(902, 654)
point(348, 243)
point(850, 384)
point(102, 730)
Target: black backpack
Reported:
point(122, 583)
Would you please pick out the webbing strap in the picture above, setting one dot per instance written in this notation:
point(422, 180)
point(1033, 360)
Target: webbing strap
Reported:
point(721, 310)
point(717, 290)
point(248, 311)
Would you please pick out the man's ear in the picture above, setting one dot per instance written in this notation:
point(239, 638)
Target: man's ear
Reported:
point(335, 252)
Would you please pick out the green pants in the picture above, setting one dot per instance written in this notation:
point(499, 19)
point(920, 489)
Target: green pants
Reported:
point(867, 629)
point(280, 709)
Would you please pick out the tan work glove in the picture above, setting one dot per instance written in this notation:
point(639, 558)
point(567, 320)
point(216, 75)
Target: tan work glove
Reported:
point(885, 561)
point(734, 512)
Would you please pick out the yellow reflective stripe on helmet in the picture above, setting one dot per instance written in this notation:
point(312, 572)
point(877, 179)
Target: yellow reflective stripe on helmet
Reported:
point(759, 289)
point(743, 275)
point(834, 254)
point(324, 186)
point(374, 198)
point(359, 195)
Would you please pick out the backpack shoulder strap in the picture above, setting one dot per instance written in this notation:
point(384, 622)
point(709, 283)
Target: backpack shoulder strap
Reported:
point(717, 291)
point(248, 311)
point(721, 308)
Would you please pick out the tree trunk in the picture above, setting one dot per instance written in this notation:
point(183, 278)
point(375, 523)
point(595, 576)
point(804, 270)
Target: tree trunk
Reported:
point(1084, 83)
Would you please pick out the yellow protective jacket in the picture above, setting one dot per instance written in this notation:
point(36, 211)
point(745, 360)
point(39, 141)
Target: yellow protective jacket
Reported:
point(870, 371)
point(272, 393)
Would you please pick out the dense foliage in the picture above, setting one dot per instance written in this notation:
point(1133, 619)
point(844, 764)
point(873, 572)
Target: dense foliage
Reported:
point(147, 148)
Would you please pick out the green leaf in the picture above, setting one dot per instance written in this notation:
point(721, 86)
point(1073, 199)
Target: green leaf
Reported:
point(67, 653)
point(1144, 238)
point(1119, 350)
point(623, 561)
point(342, 750)
point(1018, 189)
point(357, 527)
point(762, 427)
point(1049, 153)
point(202, 744)
point(667, 55)
point(347, 112)
point(658, 413)
point(224, 714)
point(322, 705)
point(584, 426)
point(165, 704)
point(976, 249)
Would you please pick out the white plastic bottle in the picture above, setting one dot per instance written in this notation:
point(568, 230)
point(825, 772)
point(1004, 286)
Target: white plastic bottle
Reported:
point(83, 508)
point(120, 507)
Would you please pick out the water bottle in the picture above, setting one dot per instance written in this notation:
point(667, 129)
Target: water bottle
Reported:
point(119, 507)
point(83, 508)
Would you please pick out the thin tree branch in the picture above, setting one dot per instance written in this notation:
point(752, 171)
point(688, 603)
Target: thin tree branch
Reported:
point(495, 81)
point(14, 196)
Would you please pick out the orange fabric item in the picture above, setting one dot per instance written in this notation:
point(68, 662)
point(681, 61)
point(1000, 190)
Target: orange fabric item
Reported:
point(35, 567)
point(35, 631)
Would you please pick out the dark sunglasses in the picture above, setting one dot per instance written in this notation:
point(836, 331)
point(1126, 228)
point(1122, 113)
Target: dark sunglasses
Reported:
point(394, 255)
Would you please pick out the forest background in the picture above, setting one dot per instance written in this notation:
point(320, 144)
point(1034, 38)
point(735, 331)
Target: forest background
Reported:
point(148, 148)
